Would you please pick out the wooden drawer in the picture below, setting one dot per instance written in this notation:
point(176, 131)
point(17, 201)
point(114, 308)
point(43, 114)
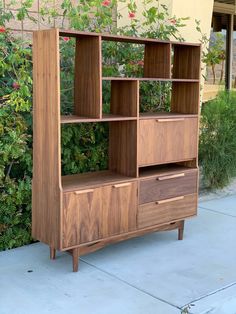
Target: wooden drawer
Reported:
point(167, 140)
point(97, 213)
point(168, 210)
point(168, 186)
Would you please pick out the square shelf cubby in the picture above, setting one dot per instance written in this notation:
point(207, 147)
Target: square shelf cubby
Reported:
point(186, 61)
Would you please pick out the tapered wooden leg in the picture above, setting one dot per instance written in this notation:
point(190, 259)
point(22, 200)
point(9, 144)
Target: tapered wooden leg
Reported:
point(52, 253)
point(75, 257)
point(181, 230)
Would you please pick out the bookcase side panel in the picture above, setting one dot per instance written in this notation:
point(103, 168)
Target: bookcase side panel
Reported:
point(88, 77)
point(46, 187)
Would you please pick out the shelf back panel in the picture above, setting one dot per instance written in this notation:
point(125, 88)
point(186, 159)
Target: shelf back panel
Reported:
point(88, 88)
point(157, 60)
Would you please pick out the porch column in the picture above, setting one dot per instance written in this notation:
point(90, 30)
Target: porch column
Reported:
point(229, 52)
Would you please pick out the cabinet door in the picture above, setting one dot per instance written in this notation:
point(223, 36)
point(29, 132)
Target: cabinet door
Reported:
point(82, 214)
point(94, 214)
point(167, 140)
point(119, 207)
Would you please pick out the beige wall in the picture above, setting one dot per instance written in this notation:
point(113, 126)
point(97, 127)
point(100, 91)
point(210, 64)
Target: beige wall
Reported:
point(194, 9)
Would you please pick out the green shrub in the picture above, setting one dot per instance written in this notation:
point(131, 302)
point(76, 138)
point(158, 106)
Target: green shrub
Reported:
point(217, 151)
point(15, 142)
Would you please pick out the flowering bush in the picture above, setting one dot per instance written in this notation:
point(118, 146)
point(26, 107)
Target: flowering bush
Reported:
point(16, 97)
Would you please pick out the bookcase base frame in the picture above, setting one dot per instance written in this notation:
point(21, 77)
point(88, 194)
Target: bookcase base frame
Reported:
point(87, 248)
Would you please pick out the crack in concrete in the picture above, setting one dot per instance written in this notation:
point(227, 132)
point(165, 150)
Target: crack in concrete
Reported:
point(209, 294)
point(131, 285)
point(217, 212)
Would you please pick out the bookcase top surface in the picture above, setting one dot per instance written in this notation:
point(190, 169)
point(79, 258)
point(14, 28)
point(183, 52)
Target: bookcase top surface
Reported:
point(119, 38)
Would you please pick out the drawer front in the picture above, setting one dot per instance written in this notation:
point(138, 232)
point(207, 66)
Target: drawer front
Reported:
point(98, 213)
point(168, 186)
point(167, 140)
point(166, 211)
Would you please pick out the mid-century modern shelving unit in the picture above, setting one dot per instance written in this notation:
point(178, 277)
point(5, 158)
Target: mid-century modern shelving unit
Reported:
point(152, 180)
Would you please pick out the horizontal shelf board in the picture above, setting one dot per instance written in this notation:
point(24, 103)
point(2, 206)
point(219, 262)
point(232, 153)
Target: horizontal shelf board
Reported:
point(110, 78)
point(165, 115)
point(153, 171)
point(83, 181)
point(105, 118)
point(129, 39)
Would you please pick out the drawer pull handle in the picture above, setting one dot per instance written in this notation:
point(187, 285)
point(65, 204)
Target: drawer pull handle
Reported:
point(121, 185)
point(170, 120)
point(84, 191)
point(170, 200)
point(173, 176)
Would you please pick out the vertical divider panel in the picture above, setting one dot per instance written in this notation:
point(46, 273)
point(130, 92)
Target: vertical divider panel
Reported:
point(88, 77)
point(46, 186)
point(157, 60)
point(123, 147)
point(124, 98)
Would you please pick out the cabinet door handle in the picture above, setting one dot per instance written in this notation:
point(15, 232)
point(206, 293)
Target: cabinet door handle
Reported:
point(84, 191)
point(170, 120)
point(172, 176)
point(170, 200)
point(121, 185)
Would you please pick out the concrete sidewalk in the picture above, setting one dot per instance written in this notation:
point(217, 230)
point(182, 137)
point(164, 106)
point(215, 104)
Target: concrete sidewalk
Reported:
point(154, 274)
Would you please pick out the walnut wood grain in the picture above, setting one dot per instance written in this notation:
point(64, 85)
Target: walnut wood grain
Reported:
point(167, 142)
point(92, 246)
point(157, 60)
point(92, 180)
point(185, 98)
point(106, 117)
point(123, 148)
point(130, 39)
point(46, 191)
point(88, 84)
point(155, 188)
point(125, 98)
point(151, 214)
point(100, 213)
point(187, 61)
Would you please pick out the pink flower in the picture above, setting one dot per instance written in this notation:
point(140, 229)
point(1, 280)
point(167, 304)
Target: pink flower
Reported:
point(140, 63)
point(16, 85)
point(66, 38)
point(2, 29)
point(131, 15)
point(106, 3)
point(173, 21)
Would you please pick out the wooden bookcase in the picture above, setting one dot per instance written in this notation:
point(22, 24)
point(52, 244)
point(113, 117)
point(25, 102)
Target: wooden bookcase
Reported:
point(152, 180)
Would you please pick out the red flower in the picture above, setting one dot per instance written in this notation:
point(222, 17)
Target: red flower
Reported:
point(2, 29)
point(16, 85)
point(106, 3)
point(66, 38)
point(131, 15)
